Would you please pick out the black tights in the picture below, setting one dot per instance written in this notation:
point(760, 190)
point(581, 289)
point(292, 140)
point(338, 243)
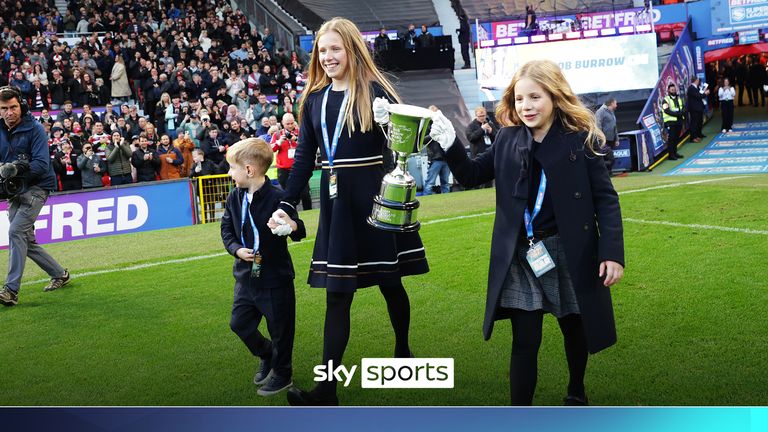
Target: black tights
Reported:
point(337, 328)
point(526, 339)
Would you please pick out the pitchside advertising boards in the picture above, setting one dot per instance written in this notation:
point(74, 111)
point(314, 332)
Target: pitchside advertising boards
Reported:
point(729, 16)
point(111, 211)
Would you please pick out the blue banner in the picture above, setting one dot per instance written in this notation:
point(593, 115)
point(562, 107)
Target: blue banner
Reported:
point(678, 71)
point(117, 210)
point(730, 16)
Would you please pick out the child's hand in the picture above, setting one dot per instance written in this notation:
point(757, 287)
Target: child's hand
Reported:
point(282, 226)
point(245, 254)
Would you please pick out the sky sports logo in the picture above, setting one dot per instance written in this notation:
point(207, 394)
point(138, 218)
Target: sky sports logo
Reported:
point(383, 373)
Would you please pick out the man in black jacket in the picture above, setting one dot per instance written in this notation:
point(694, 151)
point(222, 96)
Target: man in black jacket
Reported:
point(756, 80)
point(481, 133)
point(696, 108)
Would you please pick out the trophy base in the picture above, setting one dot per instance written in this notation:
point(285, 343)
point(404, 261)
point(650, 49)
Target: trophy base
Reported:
point(394, 216)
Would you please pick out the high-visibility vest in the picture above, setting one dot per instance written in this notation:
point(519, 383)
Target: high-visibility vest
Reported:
point(676, 105)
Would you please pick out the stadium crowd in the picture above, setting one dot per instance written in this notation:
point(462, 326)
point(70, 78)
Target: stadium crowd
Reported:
point(146, 84)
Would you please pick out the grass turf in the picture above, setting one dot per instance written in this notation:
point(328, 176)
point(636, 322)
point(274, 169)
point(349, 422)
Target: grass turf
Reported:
point(689, 314)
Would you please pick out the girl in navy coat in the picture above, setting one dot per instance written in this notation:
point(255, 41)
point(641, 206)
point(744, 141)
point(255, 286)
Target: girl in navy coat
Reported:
point(336, 117)
point(558, 213)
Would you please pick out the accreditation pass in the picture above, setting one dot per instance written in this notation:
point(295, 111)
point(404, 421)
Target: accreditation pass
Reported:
point(539, 259)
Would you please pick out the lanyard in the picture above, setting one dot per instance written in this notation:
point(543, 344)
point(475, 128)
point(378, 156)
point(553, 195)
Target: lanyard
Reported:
point(253, 225)
point(330, 150)
point(536, 207)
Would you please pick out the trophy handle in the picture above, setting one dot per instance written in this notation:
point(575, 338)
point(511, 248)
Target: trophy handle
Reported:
point(384, 131)
point(424, 126)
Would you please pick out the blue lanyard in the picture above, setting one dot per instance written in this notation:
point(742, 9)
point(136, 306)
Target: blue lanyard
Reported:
point(253, 225)
point(330, 150)
point(536, 207)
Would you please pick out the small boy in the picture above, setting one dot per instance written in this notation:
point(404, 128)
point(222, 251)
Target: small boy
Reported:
point(263, 269)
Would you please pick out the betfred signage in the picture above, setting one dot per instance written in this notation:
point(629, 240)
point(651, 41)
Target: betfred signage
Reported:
point(74, 216)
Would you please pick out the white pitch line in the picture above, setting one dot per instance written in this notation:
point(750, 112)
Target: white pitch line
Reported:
point(698, 226)
point(671, 185)
point(435, 221)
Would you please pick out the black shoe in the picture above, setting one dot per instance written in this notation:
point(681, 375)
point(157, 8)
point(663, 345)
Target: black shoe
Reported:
point(298, 397)
point(702, 136)
point(275, 384)
point(672, 157)
point(679, 156)
point(58, 282)
point(265, 369)
point(8, 297)
point(576, 401)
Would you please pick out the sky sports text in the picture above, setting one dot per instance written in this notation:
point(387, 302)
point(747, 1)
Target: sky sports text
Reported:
point(384, 373)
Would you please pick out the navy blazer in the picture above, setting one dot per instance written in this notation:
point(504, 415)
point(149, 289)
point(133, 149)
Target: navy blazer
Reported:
point(586, 208)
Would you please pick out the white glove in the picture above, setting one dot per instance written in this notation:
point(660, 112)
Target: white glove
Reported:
point(282, 229)
point(442, 130)
point(381, 110)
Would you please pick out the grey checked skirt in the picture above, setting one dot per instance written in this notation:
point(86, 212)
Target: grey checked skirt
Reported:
point(553, 292)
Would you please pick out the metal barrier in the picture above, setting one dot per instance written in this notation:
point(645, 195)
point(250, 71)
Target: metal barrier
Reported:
point(213, 191)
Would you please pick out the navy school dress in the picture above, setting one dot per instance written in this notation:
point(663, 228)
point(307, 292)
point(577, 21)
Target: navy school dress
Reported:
point(349, 253)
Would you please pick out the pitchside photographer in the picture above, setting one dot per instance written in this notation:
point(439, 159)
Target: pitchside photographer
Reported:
point(26, 179)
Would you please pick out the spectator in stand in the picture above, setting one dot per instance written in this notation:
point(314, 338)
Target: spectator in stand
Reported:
point(20, 82)
point(146, 161)
point(160, 110)
point(426, 40)
point(121, 89)
point(284, 143)
point(91, 166)
point(58, 90)
point(269, 40)
point(263, 108)
point(201, 166)
point(288, 106)
point(185, 145)
point(172, 114)
point(38, 95)
point(66, 113)
point(170, 158)
point(118, 155)
point(268, 81)
point(38, 73)
point(76, 88)
point(381, 43)
point(410, 37)
point(66, 169)
point(215, 147)
point(45, 117)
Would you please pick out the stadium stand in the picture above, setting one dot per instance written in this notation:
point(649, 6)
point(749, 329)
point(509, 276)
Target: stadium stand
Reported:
point(372, 14)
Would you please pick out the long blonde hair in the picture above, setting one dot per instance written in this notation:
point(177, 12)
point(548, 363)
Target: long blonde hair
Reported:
point(569, 109)
point(361, 71)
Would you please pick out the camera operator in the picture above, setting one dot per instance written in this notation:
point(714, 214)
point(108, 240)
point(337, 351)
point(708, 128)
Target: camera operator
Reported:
point(284, 143)
point(24, 154)
point(481, 133)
